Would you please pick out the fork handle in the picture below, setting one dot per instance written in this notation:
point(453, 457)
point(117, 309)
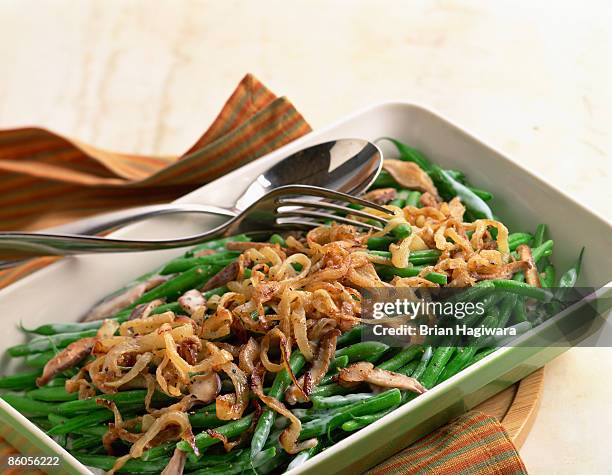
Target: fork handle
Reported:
point(107, 221)
point(16, 254)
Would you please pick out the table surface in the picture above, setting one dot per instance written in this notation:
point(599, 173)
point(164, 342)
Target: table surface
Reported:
point(531, 78)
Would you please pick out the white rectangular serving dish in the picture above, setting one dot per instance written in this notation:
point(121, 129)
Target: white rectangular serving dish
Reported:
point(65, 290)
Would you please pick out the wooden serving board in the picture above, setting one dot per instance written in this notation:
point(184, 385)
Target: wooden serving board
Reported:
point(516, 406)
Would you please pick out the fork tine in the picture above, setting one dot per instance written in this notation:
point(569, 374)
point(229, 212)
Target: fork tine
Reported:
point(324, 217)
point(307, 190)
point(332, 206)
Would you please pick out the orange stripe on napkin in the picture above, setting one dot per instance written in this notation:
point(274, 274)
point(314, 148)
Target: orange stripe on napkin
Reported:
point(473, 444)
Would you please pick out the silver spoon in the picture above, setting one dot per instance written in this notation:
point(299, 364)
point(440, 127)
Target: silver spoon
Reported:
point(346, 165)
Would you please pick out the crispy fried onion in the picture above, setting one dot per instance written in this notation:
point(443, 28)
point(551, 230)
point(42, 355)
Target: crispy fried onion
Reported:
point(169, 419)
point(231, 406)
point(531, 273)
point(366, 372)
point(289, 437)
point(249, 355)
point(141, 363)
point(318, 369)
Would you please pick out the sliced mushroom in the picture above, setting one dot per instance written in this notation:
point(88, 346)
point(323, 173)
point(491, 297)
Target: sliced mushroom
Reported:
point(176, 465)
point(206, 387)
point(410, 175)
point(243, 246)
point(366, 372)
point(192, 300)
point(225, 275)
point(381, 196)
point(144, 309)
point(112, 305)
point(65, 359)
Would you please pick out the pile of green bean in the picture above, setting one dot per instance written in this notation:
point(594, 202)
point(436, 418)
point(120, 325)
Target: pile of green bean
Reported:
point(334, 411)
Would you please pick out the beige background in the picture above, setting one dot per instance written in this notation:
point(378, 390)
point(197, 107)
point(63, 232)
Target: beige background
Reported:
point(529, 77)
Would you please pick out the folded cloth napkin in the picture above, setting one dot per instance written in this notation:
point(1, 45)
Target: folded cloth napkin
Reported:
point(47, 179)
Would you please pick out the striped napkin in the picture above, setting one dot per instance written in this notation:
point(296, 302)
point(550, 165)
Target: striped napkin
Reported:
point(47, 179)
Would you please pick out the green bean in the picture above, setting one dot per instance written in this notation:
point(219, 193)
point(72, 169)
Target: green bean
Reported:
point(86, 442)
point(482, 354)
point(94, 430)
point(402, 358)
point(42, 422)
point(413, 198)
point(351, 336)
point(363, 351)
point(458, 175)
point(219, 290)
point(55, 328)
point(516, 239)
point(462, 357)
point(519, 313)
point(174, 288)
point(409, 369)
point(23, 380)
point(182, 264)
point(278, 239)
point(280, 384)
point(547, 277)
point(384, 400)
point(340, 362)
point(303, 456)
point(473, 203)
point(45, 343)
point(484, 195)
point(29, 406)
point(39, 360)
point(520, 288)
point(124, 398)
point(384, 180)
point(570, 277)
point(230, 430)
point(242, 463)
point(539, 235)
point(507, 305)
point(428, 256)
point(332, 402)
point(83, 420)
point(402, 231)
point(380, 243)
point(422, 366)
point(57, 394)
point(324, 390)
point(539, 252)
point(435, 367)
point(359, 422)
point(389, 272)
point(106, 462)
point(205, 419)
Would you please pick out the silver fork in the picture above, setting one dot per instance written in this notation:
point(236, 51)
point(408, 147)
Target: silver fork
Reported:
point(285, 208)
